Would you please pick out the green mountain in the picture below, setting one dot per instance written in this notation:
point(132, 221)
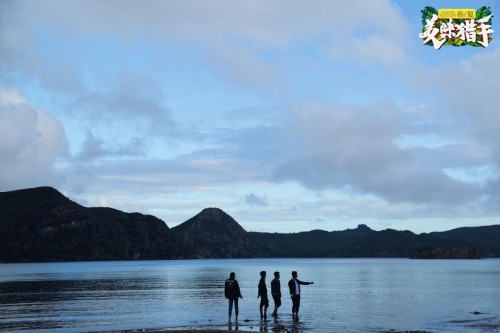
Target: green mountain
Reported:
point(486, 239)
point(360, 242)
point(214, 234)
point(41, 224)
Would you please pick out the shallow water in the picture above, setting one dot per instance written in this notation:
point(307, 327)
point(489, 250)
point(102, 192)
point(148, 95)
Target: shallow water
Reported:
point(349, 295)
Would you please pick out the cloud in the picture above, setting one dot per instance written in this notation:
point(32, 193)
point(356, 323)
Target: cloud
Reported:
point(131, 176)
point(467, 98)
point(277, 21)
point(125, 105)
point(236, 37)
point(468, 91)
point(95, 148)
point(31, 140)
point(253, 199)
point(354, 149)
point(372, 50)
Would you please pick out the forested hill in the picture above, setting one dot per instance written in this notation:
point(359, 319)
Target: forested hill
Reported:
point(486, 238)
point(364, 242)
point(41, 224)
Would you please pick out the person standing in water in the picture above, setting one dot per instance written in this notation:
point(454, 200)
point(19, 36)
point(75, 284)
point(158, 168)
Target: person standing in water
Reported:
point(232, 293)
point(264, 301)
point(294, 286)
point(276, 292)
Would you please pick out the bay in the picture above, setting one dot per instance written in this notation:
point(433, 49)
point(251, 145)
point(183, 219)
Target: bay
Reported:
point(348, 295)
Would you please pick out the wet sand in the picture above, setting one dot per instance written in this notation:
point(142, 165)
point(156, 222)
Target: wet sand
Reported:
point(481, 321)
point(218, 329)
point(188, 329)
point(181, 331)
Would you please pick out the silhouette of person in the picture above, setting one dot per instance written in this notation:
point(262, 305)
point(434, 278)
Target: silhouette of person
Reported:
point(294, 286)
point(232, 293)
point(264, 301)
point(276, 292)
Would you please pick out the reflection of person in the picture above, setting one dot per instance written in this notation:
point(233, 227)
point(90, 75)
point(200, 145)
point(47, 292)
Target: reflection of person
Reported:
point(264, 301)
point(276, 292)
point(230, 326)
point(294, 286)
point(232, 293)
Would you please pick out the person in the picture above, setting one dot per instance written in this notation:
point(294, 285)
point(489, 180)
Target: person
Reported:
point(276, 292)
point(294, 286)
point(264, 301)
point(232, 293)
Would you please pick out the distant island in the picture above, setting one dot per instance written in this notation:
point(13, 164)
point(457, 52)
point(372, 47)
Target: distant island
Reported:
point(42, 225)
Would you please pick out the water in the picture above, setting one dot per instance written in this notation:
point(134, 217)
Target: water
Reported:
point(349, 295)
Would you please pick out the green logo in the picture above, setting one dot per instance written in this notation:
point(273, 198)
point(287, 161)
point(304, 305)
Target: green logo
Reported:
point(456, 27)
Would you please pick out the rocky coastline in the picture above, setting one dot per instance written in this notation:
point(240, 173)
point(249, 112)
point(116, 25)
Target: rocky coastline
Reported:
point(462, 252)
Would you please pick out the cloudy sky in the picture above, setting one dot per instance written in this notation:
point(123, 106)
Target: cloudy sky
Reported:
point(288, 115)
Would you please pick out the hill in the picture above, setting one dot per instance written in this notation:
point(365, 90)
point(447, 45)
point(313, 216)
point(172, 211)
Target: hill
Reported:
point(487, 238)
point(214, 234)
point(360, 242)
point(41, 224)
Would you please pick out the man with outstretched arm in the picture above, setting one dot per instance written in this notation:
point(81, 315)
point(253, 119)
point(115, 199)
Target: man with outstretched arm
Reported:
point(294, 286)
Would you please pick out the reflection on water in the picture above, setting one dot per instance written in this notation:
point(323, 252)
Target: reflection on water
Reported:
point(355, 295)
point(57, 303)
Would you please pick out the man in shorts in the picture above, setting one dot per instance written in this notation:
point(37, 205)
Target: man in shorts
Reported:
point(232, 293)
point(276, 292)
point(264, 301)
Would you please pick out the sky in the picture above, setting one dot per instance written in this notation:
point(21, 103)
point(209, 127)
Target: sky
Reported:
point(288, 115)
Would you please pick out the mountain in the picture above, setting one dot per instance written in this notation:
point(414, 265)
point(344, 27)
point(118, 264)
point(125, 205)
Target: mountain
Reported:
point(41, 224)
point(486, 238)
point(214, 234)
point(359, 242)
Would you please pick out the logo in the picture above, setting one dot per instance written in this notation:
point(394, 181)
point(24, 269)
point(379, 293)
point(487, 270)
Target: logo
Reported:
point(456, 27)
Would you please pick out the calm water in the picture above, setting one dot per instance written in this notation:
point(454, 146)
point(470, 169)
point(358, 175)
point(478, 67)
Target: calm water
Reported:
point(349, 295)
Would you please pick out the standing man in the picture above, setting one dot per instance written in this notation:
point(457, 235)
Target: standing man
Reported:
point(276, 292)
point(232, 292)
point(294, 286)
point(264, 301)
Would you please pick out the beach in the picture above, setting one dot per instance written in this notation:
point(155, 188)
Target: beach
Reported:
point(483, 328)
point(260, 328)
point(181, 331)
point(187, 330)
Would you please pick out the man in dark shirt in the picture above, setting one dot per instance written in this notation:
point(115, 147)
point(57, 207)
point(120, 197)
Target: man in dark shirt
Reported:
point(294, 286)
point(264, 301)
point(232, 292)
point(276, 292)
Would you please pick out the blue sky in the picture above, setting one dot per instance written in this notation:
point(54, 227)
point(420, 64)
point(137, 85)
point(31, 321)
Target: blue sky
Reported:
point(288, 115)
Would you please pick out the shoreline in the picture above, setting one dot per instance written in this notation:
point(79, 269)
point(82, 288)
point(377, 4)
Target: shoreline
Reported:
point(246, 328)
point(484, 328)
point(179, 331)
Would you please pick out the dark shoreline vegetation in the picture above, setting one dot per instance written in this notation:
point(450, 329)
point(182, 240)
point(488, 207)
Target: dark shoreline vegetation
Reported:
point(42, 225)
